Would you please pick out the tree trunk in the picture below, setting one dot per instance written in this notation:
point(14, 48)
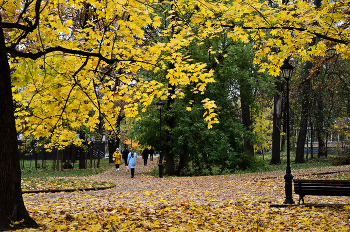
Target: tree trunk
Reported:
point(35, 155)
point(90, 151)
point(182, 160)
point(169, 164)
point(82, 162)
point(305, 106)
point(320, 128)
point(74, 155)
point(53, 158)
point(284, 126)
point(276, 129)
point(321, 145)
point(12, 207)
point(43, 161)
point(326, 153)
point(348, 105)
point(311, 139)
point(111, 149)
point(246, 101)
point(99, 146)
point(247, 122)
point(170, 122)
point(58, 160)
point(69, 158)
point(62, 158)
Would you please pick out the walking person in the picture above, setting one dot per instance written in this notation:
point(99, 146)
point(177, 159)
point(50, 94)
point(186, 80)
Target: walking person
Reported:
point(117, 157)
point(132, 161)
point(145, 156)
point(125, 156)
point(151, 152)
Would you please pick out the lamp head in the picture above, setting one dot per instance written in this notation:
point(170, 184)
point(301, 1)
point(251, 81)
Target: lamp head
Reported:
point(160, 105)
point(286, 70)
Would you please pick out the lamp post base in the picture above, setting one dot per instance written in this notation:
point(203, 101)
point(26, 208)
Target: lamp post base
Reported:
point(288, 187)
point(160, 167)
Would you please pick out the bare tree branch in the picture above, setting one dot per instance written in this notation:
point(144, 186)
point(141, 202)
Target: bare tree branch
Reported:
point(37, 55)
point(319, 35)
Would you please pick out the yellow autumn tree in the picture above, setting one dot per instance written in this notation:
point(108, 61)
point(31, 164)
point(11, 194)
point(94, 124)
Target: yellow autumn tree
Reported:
point(263, 130)
point(84, 83)
point(71, 60)
point(293, 26)
point(58, 93)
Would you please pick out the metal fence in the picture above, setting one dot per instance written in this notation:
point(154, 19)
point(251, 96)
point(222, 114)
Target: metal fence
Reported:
point(27, 152)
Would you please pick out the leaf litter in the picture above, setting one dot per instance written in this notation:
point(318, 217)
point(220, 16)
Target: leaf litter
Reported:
point(240, 202)
point(61, 183)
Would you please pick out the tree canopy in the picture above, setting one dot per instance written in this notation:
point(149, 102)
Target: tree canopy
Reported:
point(73, 61)
point(85, 57)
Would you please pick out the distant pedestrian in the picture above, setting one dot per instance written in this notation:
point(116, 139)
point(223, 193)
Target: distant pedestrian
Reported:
point(151, 152)
point(145, 156)
point(125, 155)
point(117, 157)
point(132, 161)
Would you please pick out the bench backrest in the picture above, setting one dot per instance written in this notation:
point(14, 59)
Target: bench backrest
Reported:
point(322, 187)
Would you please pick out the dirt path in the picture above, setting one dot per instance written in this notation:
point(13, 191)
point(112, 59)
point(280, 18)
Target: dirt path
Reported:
point(144, 180)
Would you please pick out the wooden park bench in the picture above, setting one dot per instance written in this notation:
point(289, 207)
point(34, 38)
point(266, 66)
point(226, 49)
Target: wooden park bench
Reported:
point(321, 188)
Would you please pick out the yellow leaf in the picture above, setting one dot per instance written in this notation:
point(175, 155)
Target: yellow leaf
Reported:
point(95, 228)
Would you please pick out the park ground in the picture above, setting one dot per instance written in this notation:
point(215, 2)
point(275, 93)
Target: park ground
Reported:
point(239, 202)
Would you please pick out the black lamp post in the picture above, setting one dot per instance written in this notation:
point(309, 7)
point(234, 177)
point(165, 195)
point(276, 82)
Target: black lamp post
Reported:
point(286, 71)
point(160, 165)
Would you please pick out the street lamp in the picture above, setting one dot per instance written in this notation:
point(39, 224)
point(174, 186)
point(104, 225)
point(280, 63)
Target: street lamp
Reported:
point(160, 165)
point(286, 72)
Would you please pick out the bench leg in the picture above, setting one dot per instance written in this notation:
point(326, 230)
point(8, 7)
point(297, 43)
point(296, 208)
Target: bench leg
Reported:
point(301, 198)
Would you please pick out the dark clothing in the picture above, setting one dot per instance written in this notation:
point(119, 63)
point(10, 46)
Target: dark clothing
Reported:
point(132, 172)
point(125, 156)
point(151, 152)
point(145, 156)
point(145, 153)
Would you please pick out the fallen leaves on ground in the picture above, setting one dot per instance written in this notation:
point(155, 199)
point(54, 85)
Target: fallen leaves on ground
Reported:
point(210, 203)
point(59, 183)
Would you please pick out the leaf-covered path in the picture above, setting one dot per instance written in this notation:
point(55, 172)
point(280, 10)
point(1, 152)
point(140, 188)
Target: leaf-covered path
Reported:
point(238, 202)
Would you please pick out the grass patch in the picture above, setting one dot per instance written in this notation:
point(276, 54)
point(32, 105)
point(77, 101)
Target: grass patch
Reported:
point(310, 163)
point(30, 172)
point(337, 176)
point(45, 178)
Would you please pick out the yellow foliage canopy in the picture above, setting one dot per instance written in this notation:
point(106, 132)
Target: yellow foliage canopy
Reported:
point(84, 66)
point(81, 62)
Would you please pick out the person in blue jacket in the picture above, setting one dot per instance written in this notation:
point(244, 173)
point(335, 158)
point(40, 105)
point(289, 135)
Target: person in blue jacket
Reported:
point(132, 161)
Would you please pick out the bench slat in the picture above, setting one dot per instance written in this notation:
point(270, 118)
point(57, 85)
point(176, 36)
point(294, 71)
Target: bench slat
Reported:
point(335, 182)
point(322, 185)
point(321, 188)
point(323, 181)
point(324, 192)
